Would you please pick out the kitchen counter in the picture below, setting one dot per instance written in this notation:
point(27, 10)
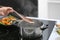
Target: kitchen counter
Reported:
point(54, 35)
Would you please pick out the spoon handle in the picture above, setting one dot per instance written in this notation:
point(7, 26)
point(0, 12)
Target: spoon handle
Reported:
point(24, 18)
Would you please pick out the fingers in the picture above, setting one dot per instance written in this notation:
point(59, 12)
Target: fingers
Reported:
point(2, 14)
point(5, 10)
point(10, 10)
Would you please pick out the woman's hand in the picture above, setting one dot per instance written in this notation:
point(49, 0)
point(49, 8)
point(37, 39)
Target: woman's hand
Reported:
point(5, 10)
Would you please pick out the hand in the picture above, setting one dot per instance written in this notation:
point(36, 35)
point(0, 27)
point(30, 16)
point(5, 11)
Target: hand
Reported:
point(5, 10)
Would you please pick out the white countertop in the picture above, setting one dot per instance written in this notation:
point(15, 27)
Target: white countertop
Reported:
point(54, 35)
point(43, 18)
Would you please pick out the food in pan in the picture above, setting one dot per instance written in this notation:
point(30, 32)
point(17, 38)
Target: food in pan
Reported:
point(58, 31)
point(7, 20)
point(58, 28)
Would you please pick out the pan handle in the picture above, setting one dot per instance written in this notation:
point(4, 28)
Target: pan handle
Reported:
point(44, 27)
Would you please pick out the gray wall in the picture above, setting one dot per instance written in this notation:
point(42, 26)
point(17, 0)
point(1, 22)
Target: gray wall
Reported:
point(54, 10)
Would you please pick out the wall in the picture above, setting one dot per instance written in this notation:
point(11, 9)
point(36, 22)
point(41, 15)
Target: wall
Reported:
point(54, 11)
point(42, 9)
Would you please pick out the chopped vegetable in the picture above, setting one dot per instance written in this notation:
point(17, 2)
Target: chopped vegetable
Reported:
point(58, 31)
point(7, 20)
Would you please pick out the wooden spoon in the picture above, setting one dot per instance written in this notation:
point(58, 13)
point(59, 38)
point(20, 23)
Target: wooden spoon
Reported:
point(24, 18)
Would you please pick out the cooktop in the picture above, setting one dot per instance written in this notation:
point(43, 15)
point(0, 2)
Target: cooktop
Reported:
point(12, 32)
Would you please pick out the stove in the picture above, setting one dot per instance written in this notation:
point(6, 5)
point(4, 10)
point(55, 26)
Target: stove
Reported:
point(9, 32)
point(12, 32)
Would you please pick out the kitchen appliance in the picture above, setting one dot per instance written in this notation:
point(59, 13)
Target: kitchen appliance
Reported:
point(16, 31)
point(10, 32)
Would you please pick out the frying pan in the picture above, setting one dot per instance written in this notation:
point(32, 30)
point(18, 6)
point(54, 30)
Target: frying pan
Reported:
point(30, 30)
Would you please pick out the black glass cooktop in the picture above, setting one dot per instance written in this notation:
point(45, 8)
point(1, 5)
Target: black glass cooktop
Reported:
point(46, 32)
point(9, 32)
point(12, 32)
